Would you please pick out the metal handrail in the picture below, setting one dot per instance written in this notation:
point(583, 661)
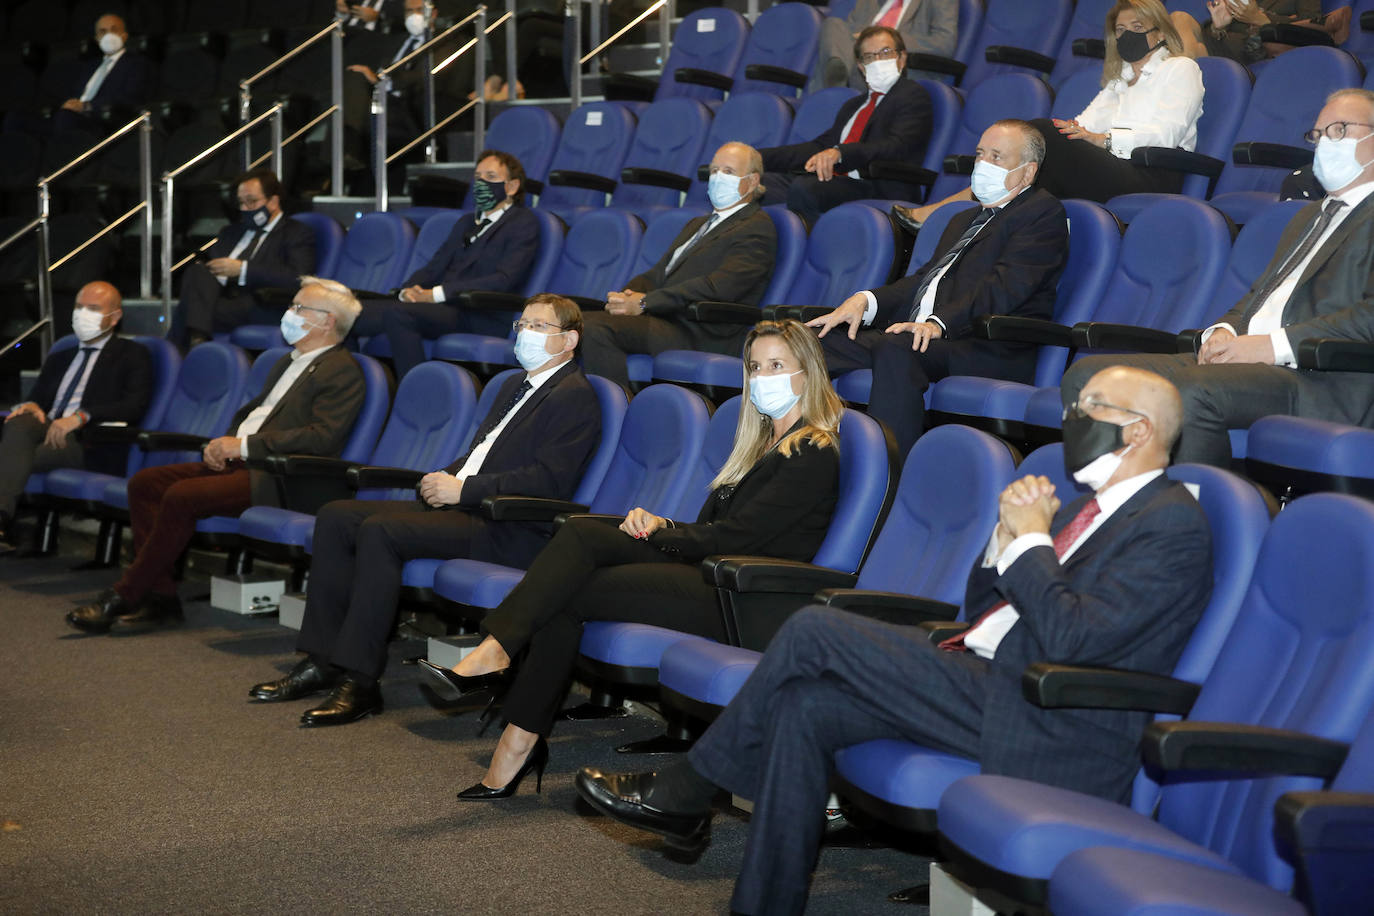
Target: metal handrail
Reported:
point(428, 46)
point(40, 323)
point(648, 11)
point(334, 26)
point(114, 224)
point(96, 148)
point(429, 132)
point(44, 323)
point(573, 9)
point(273, 112)
point(16, 236)
point(294, 137)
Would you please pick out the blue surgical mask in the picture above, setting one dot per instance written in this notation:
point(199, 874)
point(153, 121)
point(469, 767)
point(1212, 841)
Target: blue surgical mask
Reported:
point(292, 327)
point(989, 182)
point(529, 349)
point(1337, 163)
point(723, 190)
point(773, 395)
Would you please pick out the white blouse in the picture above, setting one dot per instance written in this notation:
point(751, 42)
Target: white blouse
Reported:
point(1161, 109)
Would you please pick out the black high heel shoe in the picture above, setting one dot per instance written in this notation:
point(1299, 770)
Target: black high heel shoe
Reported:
point(536, 761)
point(455, 686)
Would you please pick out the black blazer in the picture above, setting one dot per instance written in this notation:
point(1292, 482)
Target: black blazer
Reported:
point(128, 83)
point(1129, 597)
point(118, 390)
point(499, 260)
point(286, 255)
point(780, 509)
point(733, 263)
point(543, 451)
point(898, 130)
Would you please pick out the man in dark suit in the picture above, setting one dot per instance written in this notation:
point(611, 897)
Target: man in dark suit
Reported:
point(725, 256)
point(307, 406)
point(121, 77)
point(926, 27)
point(1116, 579)
point(263, 250)
point(537, 440)
point(104, 379)
point(1003, 258)
point(491, 249)
point(891, 122)
point(1317, 285)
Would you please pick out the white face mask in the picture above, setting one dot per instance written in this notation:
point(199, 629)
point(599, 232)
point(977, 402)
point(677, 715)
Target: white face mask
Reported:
point(989, 182)
point(882, 75)
point(773, 395)
point(415, 23)
point(110, 43)
point(1337, 163)
point(1095, 474)
point(86, 324)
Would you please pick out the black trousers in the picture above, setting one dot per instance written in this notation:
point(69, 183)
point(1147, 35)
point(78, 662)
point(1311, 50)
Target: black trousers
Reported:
point(206, 307)
point(408, 325)
point(607, 339)
point(591, 570)
point(809, 197)
point(1076, 168)
point(23, 452)
point(360, 547)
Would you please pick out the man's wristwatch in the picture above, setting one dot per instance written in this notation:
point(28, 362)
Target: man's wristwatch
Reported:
point(1107, 141)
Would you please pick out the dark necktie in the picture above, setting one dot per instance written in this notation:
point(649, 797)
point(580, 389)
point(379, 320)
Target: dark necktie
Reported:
point(691, 243)
point(1299, 255)
point(931, 273)
point(856, 130)
point(476, 232)
point(1062, 542)
point(61, 405)
point(496, 416)
point(253, 244)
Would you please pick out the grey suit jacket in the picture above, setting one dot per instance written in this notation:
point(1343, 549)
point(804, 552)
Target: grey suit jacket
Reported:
point(1334, 298)
point(929, 26)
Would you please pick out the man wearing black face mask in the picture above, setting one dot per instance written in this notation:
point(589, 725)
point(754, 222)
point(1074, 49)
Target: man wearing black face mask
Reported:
point(489, 249)
point(264, 249)
point(1117, 578)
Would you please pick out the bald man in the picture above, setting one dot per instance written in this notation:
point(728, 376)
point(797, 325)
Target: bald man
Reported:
point(103, 379)
point(1116, 578)
point(120, 78)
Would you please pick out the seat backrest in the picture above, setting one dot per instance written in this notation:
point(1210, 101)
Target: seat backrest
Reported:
point(432, 413)
point(595, 139)
point(208, 391)
point(817, 112)
point(785, 35)
point(1076, 92)
point(614, 403)
point(376, 402)
point(329, 238)
point(1048, 461)
point(1005, 95)
point(1094, 246)
point(791, 248)
point(759, 119)
point(431, 237)
point(851, 247)
point(942, 514)
point(529, 133)
point(928, 239)
point(1226, 88)
point(668, 138)
point(1299, 656)
point(867, 467)
point(1252, 251)
point(1360, 43)
point(709, 39)
point(1088, 21)
point(715, 449)
point(659, 235)
point(598, 254)
point(1035, 25)
point(261, 368)
point(375, 252)
point(660, 442)
point(970, 25)
point(946, 107)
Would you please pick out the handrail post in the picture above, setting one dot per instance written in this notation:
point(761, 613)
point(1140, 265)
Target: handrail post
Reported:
point(575, 62)
point(380, 91)
point(246, 115)
point(511, 80)
point(431, 149)
point(665, 31)
point(277, 160)
point(167, 190)
point(45, 336)
point(479, 57)
point(145, 168)
point(594, 30)
point(337, 123)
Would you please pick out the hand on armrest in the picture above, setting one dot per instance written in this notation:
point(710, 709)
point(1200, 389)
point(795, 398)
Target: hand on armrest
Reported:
point(940, 630)
point(1051, 686)
point(1227, 747)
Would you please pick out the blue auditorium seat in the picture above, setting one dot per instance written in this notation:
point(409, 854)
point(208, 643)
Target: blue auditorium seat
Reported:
point(1076, 92)
point(1014, 36)
point(1294, 455)
point(780, 51)
point(1087, 21)
point(1005, 95)
point(329, 238)
point(586, 164)
point(663, 157)
point(434, 231)
point(759, 119)
point(706, 50)
point(817, 112)
point(529, 133)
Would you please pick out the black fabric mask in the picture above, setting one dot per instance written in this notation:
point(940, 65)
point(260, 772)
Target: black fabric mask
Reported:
point(487, 194)
point(255, 219)
point(1086, 440)
point(1132, 46)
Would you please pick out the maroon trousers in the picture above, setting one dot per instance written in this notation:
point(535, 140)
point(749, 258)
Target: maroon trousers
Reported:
point(164, 504)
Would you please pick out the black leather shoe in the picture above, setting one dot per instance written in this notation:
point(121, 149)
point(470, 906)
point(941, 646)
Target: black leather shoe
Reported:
point(452, 686)
point(348, 702)
point(536, 761)
point(305, 679)
point(155, 611)
point(100, 615)
point(905, 219)
point(624, 796)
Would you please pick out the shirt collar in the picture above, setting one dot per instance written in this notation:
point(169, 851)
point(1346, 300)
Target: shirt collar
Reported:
point(114, 58)
point(272, 223)
point(1116, 496)
point(95, 345)
point(723, 215)
point(492, 215)
point(1151, 65)
point(305, 359)
point(1355, 196)
point(537, 380)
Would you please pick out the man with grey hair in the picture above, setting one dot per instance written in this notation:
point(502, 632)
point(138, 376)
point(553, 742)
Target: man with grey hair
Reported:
point(307, 406)
point(1317, 285)
point(1004, 257)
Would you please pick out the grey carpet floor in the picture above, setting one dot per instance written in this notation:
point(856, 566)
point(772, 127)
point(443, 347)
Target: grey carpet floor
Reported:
point(135, 777)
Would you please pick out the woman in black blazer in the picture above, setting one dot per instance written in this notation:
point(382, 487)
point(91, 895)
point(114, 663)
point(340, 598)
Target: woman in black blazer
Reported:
point(773, 497)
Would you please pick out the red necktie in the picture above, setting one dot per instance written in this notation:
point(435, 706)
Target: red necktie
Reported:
point(894, 13)
point(1062, 541)
point(861, 120)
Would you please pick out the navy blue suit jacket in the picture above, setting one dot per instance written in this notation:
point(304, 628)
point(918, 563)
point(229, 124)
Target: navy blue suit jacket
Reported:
point(118, 390)
point(286, 255)
point(1129, 597)
point(498, 261)
point(127, 83)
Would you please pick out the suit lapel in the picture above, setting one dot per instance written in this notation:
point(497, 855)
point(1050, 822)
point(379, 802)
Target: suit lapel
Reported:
point(537, 396)
point(1355, 220)
point(1118, 520)
point(286, 395)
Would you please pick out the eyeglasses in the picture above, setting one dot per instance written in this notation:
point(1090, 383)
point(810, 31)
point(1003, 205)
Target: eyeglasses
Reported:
point(542, 327)
point(298, 308)
point(1076, 410)
point(884, 54)
point(1336, 130)
point(251, 203)
point(1139, 27)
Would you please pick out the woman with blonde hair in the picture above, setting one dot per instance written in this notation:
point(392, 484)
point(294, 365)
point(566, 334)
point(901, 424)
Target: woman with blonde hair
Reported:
point(773, 497)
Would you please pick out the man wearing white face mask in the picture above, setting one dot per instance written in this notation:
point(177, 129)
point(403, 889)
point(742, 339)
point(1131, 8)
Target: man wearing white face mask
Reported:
point(103, 379)
point(536, 441)
point(891, 122)
point(119, 78)
point(1316, 286)
point(1002, 258)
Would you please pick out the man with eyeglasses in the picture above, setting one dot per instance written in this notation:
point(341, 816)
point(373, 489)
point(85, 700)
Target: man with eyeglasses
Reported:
point(307, 406)
point(1317, 286)
point(490, 249)
point(926, 27)
point(264, 249)
point(542, 429)
point(1116, 577)
point(890, 122)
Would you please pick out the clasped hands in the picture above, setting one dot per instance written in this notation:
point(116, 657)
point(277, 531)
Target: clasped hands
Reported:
point(58, 430)
point(439, 488)
point(851, 313)
point(416, 294)
point(219, 452)
point(624, 302)
point(1222, 346)
point(1075, 131)
point(1026, 506)
point(641, 523)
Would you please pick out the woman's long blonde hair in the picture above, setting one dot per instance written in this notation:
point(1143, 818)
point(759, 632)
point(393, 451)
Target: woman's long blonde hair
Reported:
point(1154, 15)
point(821, 407)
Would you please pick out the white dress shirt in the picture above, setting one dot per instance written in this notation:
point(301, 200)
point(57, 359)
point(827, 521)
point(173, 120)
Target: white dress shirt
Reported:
point(721, 217)
point(353, 21)
point(1160, 109)
point(102, 70)
point(985, 638)
point(74, 402)
point(844, 132)
point(491, 216)
point(479, 454)
point(248, 238)
point(253, 422)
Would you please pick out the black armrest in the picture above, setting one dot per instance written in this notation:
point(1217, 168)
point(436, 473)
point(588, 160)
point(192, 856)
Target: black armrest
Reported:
point(104, 434)
point(959, 165)
point(801, 313)
point(1052, 686)
point(602, 517)
point(1095, 48)
point(1335, 355)
point(893, 607)
point(1299, 36)
point(586, 303)
point(724, 312)
point(1179, 160)
point(177, 442)
point(1226, 747)
point(527, 508)
point(703, 77)
point(1019, 57)
point(937, 64)
point(940, 630)
point(656, 178)
point(488, 300)
point(362, 477)
point(574, 179)
point(1103, 335)
point(1022, 330)
point(767, 574)
point(773, 74)
point(1278, 155)
point(310, 466)
point(1339, 823)
point(629, 86)
point(532, 185)
point(1190, 340)
point(892, 170)
point(1367, 21)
